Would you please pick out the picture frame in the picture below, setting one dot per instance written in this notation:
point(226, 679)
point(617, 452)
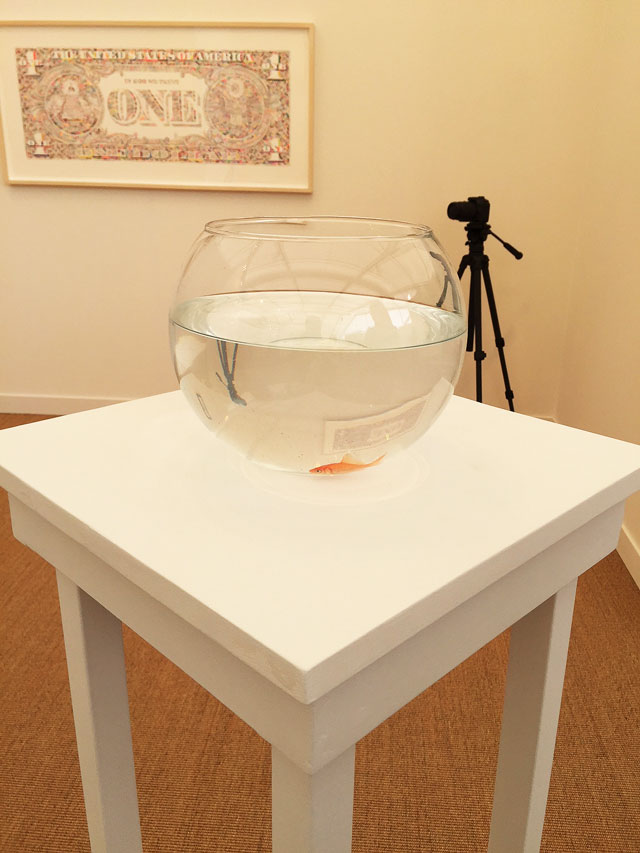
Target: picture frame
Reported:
point(188, 105)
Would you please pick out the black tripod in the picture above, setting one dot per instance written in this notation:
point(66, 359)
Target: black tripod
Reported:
point(475, 212)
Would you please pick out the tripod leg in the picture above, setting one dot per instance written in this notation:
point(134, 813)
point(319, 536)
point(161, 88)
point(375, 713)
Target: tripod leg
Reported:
point(471, 323)
point(464, 263)
point(508, 393)
point(474, 326)
point(475, 321)
point(471, 312)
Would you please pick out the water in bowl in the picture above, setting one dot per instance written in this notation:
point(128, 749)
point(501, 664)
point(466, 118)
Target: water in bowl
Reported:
point(300, 380)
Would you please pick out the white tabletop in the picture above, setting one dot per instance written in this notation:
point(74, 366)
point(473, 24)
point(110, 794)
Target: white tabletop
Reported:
point(309, 579)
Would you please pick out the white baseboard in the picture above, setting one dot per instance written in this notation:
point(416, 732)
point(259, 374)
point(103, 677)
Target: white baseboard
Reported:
point(46, 404)
point(629, 552)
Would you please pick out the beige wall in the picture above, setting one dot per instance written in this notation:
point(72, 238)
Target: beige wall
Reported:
point(600, 386)
point(418, 103)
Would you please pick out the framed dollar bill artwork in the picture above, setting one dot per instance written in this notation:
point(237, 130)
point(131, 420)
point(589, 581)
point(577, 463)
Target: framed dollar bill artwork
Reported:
point(167, 105)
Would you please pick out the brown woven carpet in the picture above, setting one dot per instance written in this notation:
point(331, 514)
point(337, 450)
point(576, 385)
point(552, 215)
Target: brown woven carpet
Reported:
point(424, 778)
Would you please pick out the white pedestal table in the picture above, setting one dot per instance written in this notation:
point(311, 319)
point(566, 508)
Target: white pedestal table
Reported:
point(315, 607)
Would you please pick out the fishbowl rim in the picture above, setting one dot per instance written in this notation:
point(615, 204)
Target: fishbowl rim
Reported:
point(397, 230)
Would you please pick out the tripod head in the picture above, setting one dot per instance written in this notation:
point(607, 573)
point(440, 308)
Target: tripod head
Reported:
point(475, 212)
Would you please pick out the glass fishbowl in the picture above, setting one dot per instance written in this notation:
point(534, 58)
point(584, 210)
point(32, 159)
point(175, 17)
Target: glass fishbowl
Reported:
point(321, 345)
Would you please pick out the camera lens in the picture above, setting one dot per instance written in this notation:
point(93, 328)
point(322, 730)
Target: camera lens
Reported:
point(463, 211)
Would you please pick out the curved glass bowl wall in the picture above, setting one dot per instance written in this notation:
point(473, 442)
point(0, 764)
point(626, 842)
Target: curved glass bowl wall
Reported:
point(320, 344)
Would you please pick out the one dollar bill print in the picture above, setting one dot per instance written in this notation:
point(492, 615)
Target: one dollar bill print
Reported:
point(192, 106)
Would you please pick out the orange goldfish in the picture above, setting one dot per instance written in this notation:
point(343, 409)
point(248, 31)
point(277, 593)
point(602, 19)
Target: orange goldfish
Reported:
point(347, 464)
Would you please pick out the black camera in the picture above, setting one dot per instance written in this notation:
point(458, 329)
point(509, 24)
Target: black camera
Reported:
point(475, 209)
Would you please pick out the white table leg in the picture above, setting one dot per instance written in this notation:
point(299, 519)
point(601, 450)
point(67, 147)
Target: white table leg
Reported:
point(535, 676)
point(312, 813)
point(95, 660)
